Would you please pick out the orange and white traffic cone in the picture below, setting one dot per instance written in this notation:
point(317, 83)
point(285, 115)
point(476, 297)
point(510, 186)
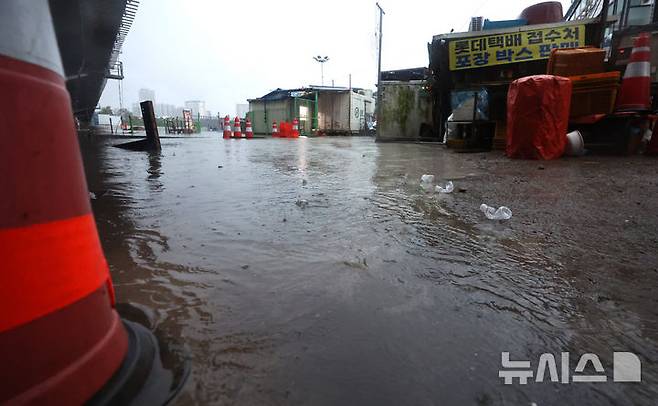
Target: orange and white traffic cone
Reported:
point(61, 338)
point(275, 129)
point(635, 93)
point(227, 127)
point(248, 131)
point(237, 130)
point(295, 128)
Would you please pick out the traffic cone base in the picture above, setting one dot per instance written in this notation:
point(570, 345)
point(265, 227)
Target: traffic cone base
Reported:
point(71, 359)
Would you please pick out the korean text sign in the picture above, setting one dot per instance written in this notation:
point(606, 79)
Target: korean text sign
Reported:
point(513, 47)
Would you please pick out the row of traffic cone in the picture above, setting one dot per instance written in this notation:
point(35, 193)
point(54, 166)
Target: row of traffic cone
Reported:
point(287, 130)
point(236, 132)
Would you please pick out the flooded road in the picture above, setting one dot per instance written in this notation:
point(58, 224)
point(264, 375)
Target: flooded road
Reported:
point(317, 272)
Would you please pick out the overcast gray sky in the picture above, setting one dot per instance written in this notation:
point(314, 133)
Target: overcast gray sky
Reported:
point(225, 52)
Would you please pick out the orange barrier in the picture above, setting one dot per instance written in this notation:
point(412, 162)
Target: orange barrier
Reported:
point(576, 61)
point(593, 93)
point(285, 129)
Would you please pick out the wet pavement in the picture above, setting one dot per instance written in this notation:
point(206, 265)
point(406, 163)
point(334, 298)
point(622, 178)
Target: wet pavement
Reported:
point(317, 272)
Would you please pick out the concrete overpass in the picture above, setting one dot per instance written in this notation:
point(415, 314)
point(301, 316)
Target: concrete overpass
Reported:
point(90, 34)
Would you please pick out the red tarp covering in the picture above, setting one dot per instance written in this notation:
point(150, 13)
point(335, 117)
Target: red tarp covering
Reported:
point(538, 116)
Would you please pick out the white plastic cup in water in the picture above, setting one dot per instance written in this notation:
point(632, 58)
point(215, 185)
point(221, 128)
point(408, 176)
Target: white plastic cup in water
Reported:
point(502, 213)
point(427, 178)
point(449, 187)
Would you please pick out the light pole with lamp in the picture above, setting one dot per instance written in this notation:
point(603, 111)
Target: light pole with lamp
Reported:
point(322, 60)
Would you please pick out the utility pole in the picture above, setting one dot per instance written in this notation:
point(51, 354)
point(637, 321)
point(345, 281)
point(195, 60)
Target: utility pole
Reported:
point(379, 66)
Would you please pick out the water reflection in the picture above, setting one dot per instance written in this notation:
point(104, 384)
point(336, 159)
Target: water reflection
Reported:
point(155, 164)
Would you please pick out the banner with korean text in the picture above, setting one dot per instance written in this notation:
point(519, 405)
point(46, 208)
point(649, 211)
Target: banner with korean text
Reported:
point(514, 47)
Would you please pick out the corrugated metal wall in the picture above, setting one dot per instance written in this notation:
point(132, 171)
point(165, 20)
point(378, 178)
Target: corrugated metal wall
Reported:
point(337, 113)
point(333, 111)
point(262, 113)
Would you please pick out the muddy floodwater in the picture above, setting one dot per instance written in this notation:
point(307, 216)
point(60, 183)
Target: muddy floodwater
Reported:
point(317, 272)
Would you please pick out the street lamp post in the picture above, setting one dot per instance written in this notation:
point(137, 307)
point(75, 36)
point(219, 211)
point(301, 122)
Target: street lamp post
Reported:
point(322, 60)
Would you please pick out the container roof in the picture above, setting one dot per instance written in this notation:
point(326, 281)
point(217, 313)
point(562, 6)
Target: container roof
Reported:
point(329, 88)
point(405, 75)
point(278, 94)
point(282, 94)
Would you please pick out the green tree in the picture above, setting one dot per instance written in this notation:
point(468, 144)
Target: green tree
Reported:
point(106, 110)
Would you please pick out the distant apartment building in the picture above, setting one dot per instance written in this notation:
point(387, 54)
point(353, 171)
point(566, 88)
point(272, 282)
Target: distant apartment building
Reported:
point(166, 110)
point(197, 107)
point(146, 94)
point(159, 110)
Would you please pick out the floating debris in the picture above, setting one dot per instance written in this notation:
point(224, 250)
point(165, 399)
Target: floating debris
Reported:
point(502, 213)
point(427, 178)
point(449, 187)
